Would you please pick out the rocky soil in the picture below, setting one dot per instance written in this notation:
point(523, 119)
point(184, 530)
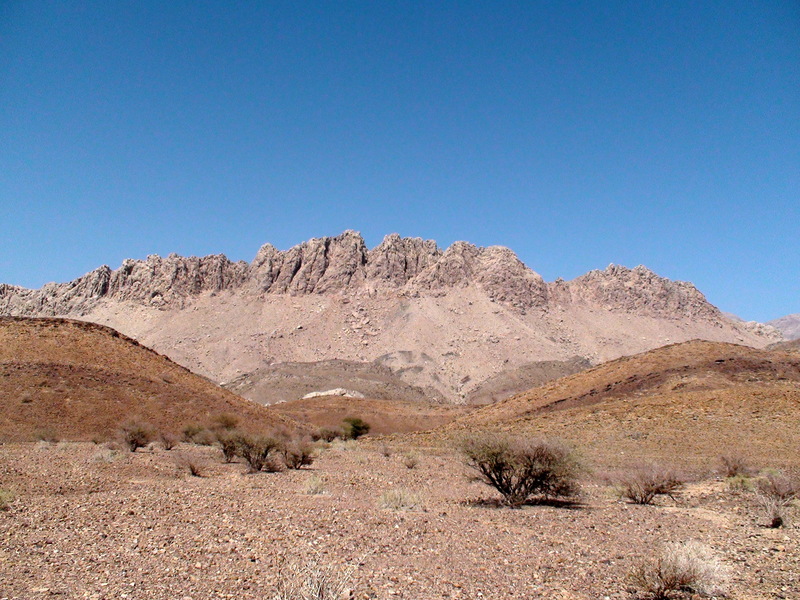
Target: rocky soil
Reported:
point(89, 522)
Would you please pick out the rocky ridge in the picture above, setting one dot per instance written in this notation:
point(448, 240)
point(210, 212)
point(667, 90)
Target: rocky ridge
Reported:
point(442, 321)
point(343, 264)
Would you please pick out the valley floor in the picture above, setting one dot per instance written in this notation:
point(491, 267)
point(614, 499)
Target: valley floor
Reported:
point(90, 522)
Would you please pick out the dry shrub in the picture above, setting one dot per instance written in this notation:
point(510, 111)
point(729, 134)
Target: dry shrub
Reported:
point(313, 580)
point(410, 460)
point(229, 444)
point(776, 493)
point(259, 452)
point(314, 485)
point(326, 434)
point(46, 434)
point(645, 482)
point(6, 498)
point(136, 434)
point(169, 440)
point(224, 421)
point(386, 450)
point(399, 499)
point(681, 567)
point(297, 454)
point(521, 469)
point(734, 465)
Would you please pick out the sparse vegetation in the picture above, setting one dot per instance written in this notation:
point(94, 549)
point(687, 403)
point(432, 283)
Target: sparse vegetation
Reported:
point(681, 567)
point(354, 427)
point(776, 493)
point(229, 443)
point(645, 482)
point(314, 485)
point(46, 434)
point(521, 469)
point(326, 434)
point(386, 451)
point(168, 440)
point(739, 483)
point(225, 421)
point(399, 499)
point(259, 452)
point(136, 434)
point(410, 460)
point(313, 581)
point(734, 465)
point(297, 454)
point(6, 498)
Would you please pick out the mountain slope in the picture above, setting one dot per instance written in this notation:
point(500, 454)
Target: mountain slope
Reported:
point(80, 380)
point(685, 403)
point(443, 321)
point(789, 326)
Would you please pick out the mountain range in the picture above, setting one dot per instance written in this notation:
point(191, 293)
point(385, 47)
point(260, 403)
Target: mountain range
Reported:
point(404, 320)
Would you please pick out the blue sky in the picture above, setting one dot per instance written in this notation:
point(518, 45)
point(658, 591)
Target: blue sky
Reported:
point(577, 134)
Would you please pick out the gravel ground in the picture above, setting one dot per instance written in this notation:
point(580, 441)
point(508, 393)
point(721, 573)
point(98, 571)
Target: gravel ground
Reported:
point(90, 522)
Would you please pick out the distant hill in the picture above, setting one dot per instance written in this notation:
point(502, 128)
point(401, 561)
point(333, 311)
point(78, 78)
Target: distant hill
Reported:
point(465, 324)
point(685, 403)
point(789, 326)
point(79, 381)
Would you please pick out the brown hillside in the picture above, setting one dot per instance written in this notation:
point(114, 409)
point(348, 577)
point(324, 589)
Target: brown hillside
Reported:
point(384, 416)
point(686, 403)
point(78, 380)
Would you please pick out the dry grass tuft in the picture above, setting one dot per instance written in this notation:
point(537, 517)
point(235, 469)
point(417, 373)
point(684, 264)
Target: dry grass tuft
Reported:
point(645, 482)
point(6, 498)
point(314, 580)
point(314, 485)
point(399, 499)
point(681, 567)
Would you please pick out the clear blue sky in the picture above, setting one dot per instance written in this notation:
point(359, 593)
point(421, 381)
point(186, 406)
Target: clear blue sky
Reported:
point(577, 134)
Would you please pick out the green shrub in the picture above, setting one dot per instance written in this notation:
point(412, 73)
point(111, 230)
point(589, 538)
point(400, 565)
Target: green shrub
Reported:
point(354, 427)
point(521, 469)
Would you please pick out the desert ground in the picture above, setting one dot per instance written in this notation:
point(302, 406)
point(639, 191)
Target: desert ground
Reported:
point(88, 521)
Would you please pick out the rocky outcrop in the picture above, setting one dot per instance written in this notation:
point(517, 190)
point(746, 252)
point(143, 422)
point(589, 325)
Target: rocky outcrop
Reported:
point(635, 290)
point(343, 264)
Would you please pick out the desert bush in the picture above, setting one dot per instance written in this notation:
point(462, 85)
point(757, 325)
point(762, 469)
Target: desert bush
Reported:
point(734, 465)
point(314, 485)
point(191, 431)
point(225, 421)
point(681, 567)
point(326, 434)
point(354, 427)
point(739, 483)
point(169, 440)
point(520, 468)
point(399, 499)
point(645, 482)
point(258, 452)
point(46, 434)
point(6, 498)
point(313, 580)
point(410, 460)
point(776, 493)
point(297, 454)
point(136, 434)
point(195, 469)
point(229, 444)
point(386, 450)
